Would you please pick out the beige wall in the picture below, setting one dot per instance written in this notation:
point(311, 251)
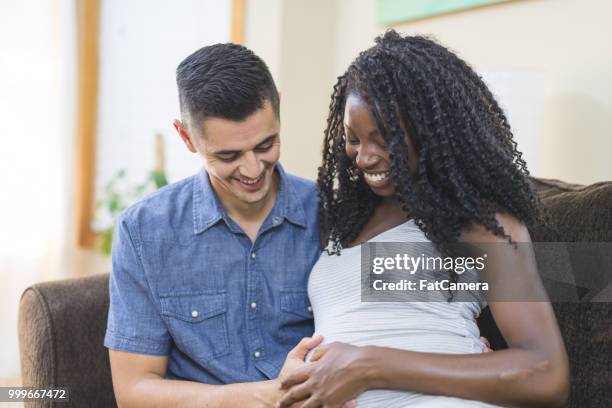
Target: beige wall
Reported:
point(263, 31)
point(295, 38)
point(564, 40)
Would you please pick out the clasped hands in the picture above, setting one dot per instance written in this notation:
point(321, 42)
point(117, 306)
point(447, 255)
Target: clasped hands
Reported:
point(335, 375)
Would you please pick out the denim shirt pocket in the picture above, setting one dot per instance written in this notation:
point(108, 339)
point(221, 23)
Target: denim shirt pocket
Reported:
point(197, 323)
point(296, 316)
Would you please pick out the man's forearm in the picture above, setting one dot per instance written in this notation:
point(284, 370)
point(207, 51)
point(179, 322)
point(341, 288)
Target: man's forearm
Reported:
point(160, 392)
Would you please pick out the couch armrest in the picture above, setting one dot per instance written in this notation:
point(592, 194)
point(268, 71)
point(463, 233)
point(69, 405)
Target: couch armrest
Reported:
point(61, 331)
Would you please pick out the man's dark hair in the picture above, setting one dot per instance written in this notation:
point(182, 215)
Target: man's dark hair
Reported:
point(225, 81)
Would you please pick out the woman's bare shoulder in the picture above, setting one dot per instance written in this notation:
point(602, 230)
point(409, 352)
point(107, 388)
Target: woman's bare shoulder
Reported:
point(476, 232)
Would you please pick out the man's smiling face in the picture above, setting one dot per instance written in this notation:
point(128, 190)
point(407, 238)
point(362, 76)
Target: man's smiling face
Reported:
point(241, 156)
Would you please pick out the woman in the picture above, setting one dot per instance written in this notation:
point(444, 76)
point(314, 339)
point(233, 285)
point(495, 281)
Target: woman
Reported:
point(417, 149)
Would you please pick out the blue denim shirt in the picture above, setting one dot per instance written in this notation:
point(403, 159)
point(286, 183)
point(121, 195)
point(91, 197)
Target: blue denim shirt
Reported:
point(189, 284)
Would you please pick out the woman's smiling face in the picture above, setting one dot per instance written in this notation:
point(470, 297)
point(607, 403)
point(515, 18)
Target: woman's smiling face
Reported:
point(366, 147)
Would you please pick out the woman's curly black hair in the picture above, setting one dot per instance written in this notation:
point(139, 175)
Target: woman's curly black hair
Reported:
point(469, 167)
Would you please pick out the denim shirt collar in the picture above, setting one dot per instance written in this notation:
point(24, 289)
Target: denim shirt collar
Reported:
point(208, 210)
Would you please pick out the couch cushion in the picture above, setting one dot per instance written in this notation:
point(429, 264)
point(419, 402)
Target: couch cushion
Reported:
point(578, 213)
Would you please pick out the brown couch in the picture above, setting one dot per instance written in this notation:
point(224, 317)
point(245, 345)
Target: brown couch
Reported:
point(62, 323)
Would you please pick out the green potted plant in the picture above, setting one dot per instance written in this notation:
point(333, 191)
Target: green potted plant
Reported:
point(118, 196)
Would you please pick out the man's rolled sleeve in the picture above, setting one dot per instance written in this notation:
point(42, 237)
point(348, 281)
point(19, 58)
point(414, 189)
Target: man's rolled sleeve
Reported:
point(134, 321)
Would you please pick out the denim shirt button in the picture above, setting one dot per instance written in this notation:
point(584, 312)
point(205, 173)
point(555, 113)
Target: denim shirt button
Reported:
point(257, 354)
point(253, 305)
point(253, 256)
point(309, 309)
point(194, 313)
point(276, 220)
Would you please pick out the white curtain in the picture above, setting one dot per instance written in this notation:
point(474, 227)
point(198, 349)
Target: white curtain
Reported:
point(37, 83)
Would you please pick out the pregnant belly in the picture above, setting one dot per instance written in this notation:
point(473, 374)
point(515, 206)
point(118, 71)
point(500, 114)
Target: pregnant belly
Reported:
point(421, 340)
point(404, 399)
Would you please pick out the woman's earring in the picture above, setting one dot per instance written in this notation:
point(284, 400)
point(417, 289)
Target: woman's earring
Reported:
point(353, 174)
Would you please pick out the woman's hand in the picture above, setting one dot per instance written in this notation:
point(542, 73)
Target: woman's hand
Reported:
point(336, 374)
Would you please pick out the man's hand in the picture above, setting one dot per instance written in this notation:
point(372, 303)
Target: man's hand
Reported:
point(332, 379)
point(295, 358)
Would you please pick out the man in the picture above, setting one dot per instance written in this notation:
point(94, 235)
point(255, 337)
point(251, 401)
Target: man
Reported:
point(208, 288)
